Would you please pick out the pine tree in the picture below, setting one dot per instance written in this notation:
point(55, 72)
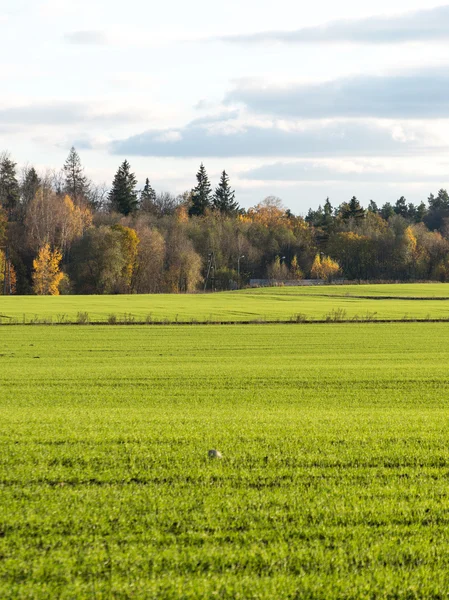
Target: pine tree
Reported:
point(201, 194)
point(387, 211)
point(76, 183)
point(441, 202)
point(147, 197)
point(421, 211)
point(9, 186)
point(224, 197)
point(123, 195)
point(401, 207)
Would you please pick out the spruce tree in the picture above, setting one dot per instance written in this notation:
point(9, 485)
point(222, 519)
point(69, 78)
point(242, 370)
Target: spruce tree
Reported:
point(352, 209)
point(373, 208)
point(224, 197)
point(147, 197)
point(76, 183)
point(201, 194)
point(9, 186)
point(28, 189)
point(123, 195)
point(328, 213)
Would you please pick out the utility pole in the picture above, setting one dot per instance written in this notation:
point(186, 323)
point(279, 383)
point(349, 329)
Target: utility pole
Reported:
point(211, 271)
point(238, 267)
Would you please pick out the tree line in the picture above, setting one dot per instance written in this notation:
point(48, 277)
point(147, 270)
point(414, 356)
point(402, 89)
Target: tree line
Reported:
point(61, 234)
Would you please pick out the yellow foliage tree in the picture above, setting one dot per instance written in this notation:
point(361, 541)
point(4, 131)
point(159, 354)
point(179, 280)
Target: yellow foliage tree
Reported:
point(278, 270)
point(411, 242)
point(73, 221)
point(47, 275)
point(8, 269)
point(295, 270)
point(316, 271)
point(325, 268)
point(330, 268)
point(182, 214)
point(130, 244)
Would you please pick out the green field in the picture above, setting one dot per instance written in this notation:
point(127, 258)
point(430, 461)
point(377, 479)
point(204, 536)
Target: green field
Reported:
point(334, 481)
point(396, 301)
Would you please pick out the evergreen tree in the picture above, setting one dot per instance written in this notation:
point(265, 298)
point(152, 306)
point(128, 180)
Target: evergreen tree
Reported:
point(147, 197)
point(315, 217)
point(76, 183)
point(328, 213)
point(441, 202)
point(201, 194)
point(352, 209)
point(420, 212)
point(30, 184)
point(123, 195)
point(224, 197)
point(438, 210)
point(401, 207)
point(387, 211)
point(372, 207)
point(9, 186)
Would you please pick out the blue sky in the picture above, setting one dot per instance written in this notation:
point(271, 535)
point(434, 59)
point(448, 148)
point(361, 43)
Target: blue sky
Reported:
point(294, 99)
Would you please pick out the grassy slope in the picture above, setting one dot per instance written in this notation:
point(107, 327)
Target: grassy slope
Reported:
point(268, 304)
point(333, 483)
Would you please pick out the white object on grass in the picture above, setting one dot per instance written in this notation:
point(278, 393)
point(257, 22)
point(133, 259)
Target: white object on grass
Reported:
point(215, 454)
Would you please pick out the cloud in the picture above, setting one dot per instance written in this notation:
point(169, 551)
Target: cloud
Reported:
point(420, 26)
point(413, 95)
point(87, 38)
point(215, 138)
point(62, 113)
point(311, 172)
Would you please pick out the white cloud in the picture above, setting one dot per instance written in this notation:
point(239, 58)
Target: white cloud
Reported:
point(407, 95)
point(232, 137)
point(420, 26)
point(87, 38)
point(358, 171)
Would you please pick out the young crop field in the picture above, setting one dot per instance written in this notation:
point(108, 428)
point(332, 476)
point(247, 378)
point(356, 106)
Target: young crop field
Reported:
point(362, 302)
point(334, 481)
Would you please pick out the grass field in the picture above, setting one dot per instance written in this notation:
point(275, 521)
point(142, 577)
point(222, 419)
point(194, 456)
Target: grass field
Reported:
point(334, 481)
point(397, 301)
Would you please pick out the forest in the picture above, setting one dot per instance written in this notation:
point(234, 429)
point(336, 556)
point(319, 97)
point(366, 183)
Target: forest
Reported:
point(62, 234)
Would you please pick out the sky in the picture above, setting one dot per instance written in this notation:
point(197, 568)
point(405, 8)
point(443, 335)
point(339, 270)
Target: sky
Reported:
point(293, 99)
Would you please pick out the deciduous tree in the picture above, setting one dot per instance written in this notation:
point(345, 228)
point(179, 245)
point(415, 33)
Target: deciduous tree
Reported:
point(97, 262)
point(7, 270)
point(325, 268)
point(130, 244)
point(47, 274)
